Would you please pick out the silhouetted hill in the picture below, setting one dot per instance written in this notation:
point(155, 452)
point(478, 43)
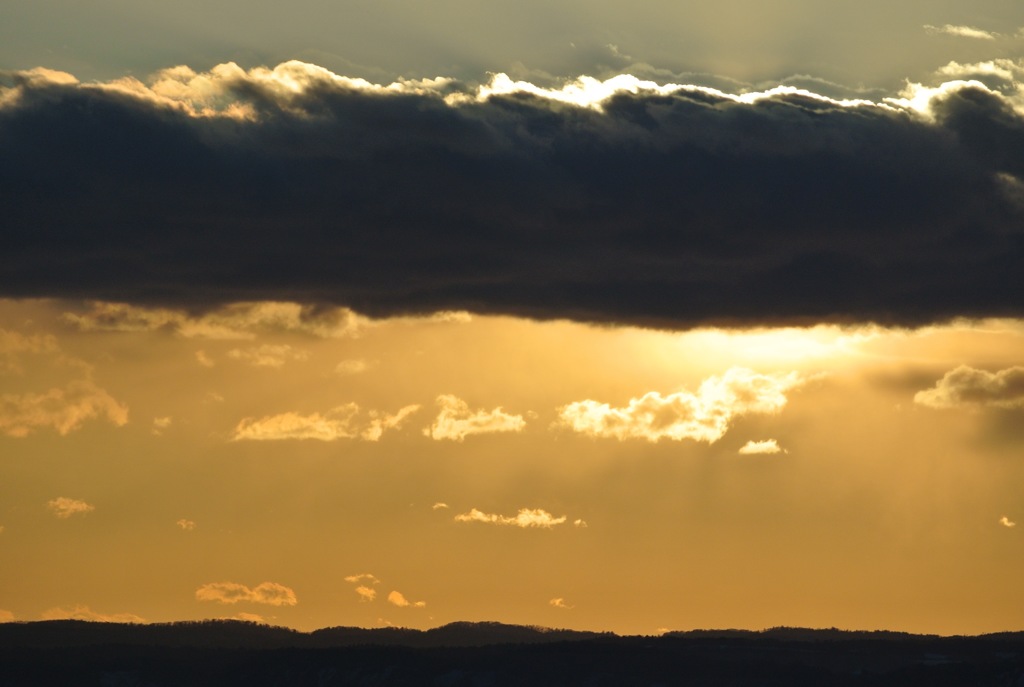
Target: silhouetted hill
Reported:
point(233, 653)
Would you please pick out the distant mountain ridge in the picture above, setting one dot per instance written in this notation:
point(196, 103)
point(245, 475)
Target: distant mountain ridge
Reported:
point(250, 635)
point(466, 654)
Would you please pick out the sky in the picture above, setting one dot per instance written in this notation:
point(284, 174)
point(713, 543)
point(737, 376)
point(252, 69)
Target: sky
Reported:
point(628, 318)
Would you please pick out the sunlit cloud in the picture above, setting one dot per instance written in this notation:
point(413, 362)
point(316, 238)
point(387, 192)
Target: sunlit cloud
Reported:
point(962, 31)
point(366, 593)
point(362, 577)
point(203, 359)
point(456, 421)
point(64, 410)
point(1006, 522)
point(580, 522)
point(267, 355)
point(342, 422)
point(559, 602)
point(969, 387)
point(186, 524)
point(440, 506)
point(81, 612)
point(235, 321)
point(64, 507)
point(525, 518)
point(398, 599)
point(703, 415)
point(269, 593)
point(768, 446)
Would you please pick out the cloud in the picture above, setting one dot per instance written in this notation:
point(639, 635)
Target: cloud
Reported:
point(366, 593)
point(63, 507)
point(6, 616)
point(398, 599)
point(559, 602)
point(703, 415)
point(525, 518)
point(440, 506)
point(232, 321)
point(1006, 522)
point(160, 424)
point(362, 577)
point(267, 355)
point(962, 31)
point(972, 388)
point(80, 612)
point(767, 446)
point(203, 359)
point(456, 421)
point(613, 201)
point(270, 593)
point(342, 422)
point(580, 522)
point(186, 524)
point(61, 409)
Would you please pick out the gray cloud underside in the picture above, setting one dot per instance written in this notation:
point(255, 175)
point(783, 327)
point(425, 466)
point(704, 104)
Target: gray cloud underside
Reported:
point(667, 210)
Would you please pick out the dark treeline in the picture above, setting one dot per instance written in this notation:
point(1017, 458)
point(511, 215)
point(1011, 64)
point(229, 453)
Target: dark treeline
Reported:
point(226, 653)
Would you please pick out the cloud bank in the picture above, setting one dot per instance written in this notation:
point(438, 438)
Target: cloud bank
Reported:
point(618, 201)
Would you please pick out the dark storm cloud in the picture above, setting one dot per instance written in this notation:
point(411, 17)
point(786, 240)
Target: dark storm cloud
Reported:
point(669, 209)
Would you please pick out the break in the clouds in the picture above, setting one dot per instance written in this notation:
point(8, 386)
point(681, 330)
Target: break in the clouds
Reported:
point(344, 422)
point(64, 507)
point(526, 518)
point(269, 593)
point(704, 415)
point(969, 387)
point(622, 200)
point(456, 420)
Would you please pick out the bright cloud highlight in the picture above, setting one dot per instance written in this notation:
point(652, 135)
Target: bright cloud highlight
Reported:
point(701, 416)
point(769, 446)
point(525, 518)
point(398, 599)
point(456, 421)
point(342, 422)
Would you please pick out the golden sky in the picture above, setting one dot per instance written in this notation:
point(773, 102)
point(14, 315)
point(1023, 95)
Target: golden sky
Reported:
point(608, 316)
point(263, 462)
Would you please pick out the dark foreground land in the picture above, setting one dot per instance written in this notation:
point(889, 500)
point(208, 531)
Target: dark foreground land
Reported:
point(229, 653)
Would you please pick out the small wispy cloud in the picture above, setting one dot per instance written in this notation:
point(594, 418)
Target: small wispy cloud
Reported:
point(1006, 522)
point(962, 31)
point(362, 577)
point(559, 602)
point(366, 593)
point(267, 355)
point(64, 507)
point(525, 518)
point(456, 420)
point(343, 422)
point(768, 446)
point(187, 525)
point(440, 506)
point(398, 599)
point(269, 593)
point(62, 409)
